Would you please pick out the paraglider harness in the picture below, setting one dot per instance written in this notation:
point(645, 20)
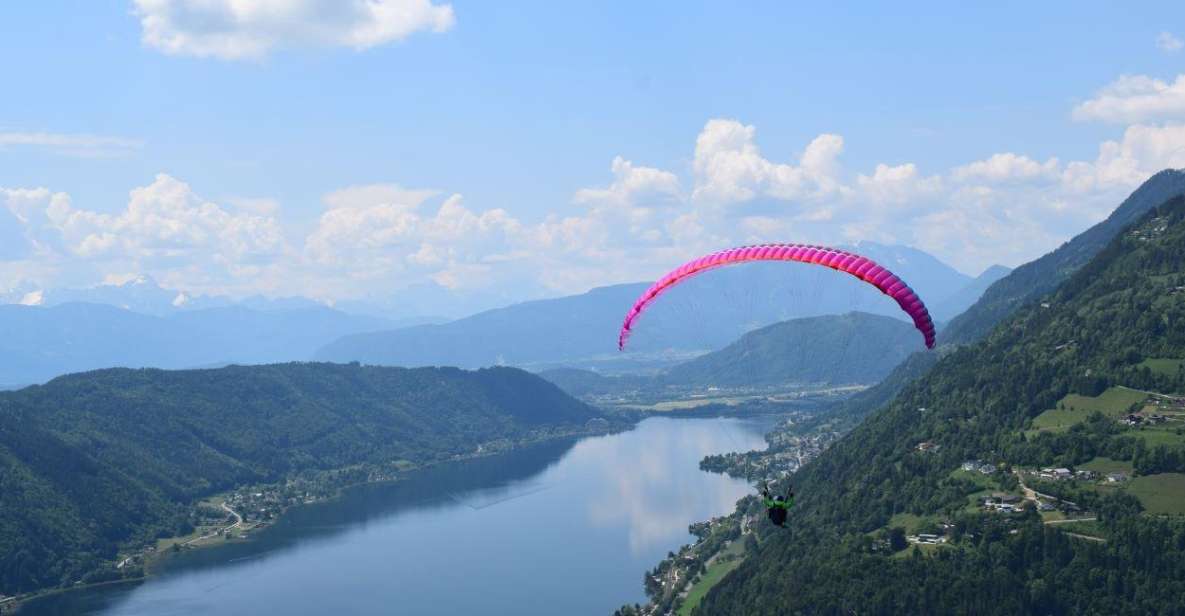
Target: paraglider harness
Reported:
point(777, 506)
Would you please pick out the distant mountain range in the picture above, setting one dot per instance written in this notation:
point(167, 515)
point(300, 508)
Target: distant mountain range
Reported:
point(144, 295)
point(49, 332)
point(38, 343)
point(704, 314)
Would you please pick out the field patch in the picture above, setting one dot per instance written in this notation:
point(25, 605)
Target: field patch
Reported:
point(1161, 365)
point(1163, 493)
point(1104, 466)
point(1075, 408)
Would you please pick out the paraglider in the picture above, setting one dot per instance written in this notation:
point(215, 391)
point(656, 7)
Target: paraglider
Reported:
point(777, 506)
point(855, 265)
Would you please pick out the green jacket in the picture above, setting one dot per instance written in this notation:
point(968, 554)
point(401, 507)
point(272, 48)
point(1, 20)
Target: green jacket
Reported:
point(771, 503)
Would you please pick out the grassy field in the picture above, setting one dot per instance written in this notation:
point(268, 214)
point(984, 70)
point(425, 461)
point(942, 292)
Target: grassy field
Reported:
point(926, 549)
point(1089, 527)
point(679, 405)
point(1163, 493)
point(714, 574)
point(910, 522)
point(1075, 408)
point(974, 499)
point(1159, 435)
point(1167, 367)
point(1107, 465)
point(984, 481)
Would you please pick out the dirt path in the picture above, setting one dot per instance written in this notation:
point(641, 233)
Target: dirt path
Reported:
point(1069, 521)
point(1088, 538)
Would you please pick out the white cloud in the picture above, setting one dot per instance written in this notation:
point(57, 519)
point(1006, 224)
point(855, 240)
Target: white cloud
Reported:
point(1007, 167)
point(729, 167)
point(82, 145)
point(238, 29)
point(1135, 98)
point(1007, 207)
point(1165, 41)
point(165, 230)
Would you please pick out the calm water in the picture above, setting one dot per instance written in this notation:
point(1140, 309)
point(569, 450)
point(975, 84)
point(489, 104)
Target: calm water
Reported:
point(567, 527)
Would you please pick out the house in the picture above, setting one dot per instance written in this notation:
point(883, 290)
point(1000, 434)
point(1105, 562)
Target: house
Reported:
point(927, 446)
point(1133, 420)
point(987, 469)
point(1044, 506)
point(972, 465)
point(1116, 477)
point(1055, 473)
point(1086, 475)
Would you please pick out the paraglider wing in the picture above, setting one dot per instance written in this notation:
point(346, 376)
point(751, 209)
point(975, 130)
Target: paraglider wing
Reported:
point(861, 267)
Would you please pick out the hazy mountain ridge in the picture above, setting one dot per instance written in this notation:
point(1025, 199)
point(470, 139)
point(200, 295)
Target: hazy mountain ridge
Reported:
point(38, 343)
point(706, 313)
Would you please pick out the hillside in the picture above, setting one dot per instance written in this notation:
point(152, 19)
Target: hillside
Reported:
point(1019, 287)
point(704, 314)
point(836, 350)
point(1107, 326)
point(38, 343)
point(1034, 279)
point(946, 308)
point(855, 348)
point(92, 462)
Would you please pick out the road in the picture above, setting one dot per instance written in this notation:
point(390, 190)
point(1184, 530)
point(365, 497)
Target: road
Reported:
point(238, 523)
point(1031, 495)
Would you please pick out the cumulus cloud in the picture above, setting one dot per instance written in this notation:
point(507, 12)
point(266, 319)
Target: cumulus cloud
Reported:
point(1165, 41)
point(82, 145)
point(729, 167)
point(1007, 167)
point(233, 29)
point(1135, 98)
point(165, 229)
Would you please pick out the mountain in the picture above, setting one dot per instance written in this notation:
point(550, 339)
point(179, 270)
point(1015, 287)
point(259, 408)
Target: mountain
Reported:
point(92, 463)
point(703, 314)
point(949, 307)
point(854, 348)
point(38, 343)
point(1089, 339)
point(141, 294)
point(1022, 286)
point(1032, 280)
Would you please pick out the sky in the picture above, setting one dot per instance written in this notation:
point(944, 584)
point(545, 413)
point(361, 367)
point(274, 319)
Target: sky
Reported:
point(491, 152)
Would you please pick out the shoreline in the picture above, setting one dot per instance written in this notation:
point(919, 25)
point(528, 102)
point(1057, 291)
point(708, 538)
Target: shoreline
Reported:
point(151, 560)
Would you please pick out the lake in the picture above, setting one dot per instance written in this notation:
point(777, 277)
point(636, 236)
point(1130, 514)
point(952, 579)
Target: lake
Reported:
point(564, 527)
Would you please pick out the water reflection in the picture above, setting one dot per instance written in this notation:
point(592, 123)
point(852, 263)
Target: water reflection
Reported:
point(564, 527)
point(647, 487)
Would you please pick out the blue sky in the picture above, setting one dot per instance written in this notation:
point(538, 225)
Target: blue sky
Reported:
point(516, 108)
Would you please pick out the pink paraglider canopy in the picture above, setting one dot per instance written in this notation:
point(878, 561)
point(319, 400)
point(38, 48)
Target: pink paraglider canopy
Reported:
point(861, 267)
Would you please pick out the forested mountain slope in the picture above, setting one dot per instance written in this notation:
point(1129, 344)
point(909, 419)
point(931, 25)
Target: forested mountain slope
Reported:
point(1096, 331)
point(837, 349)
point(90, 462)
point(1021, 286)
point(1036, 278)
